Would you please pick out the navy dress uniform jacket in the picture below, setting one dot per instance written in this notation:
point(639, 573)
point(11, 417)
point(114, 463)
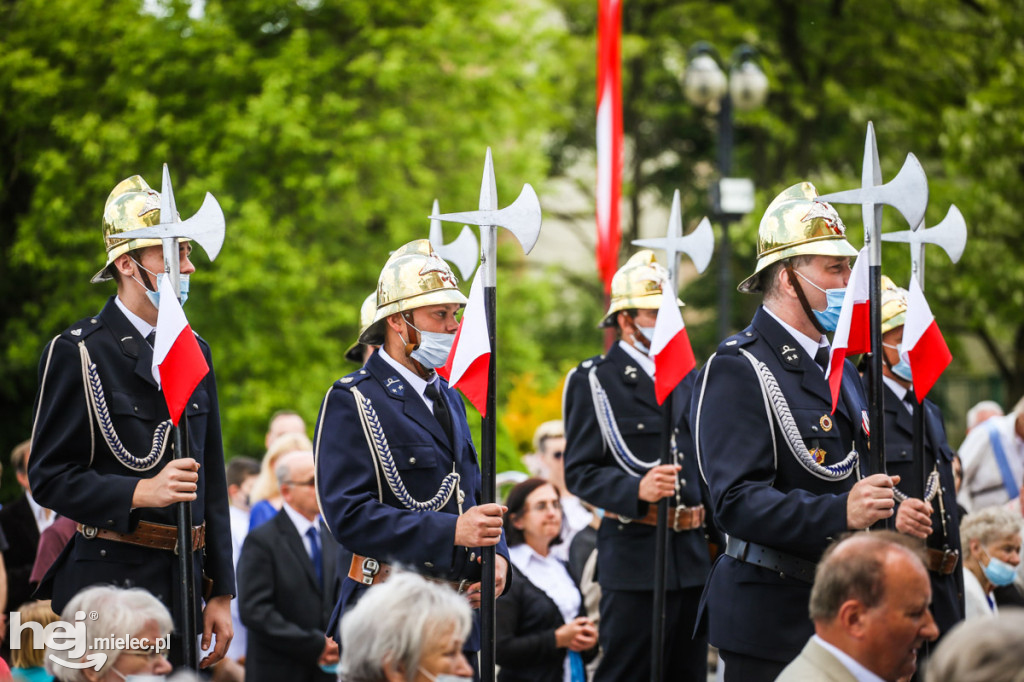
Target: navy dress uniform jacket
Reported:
point(282, 603)
point(625, 556)
point(947, 590)
point(349, 480)
point(761, 493)
point(74, 472)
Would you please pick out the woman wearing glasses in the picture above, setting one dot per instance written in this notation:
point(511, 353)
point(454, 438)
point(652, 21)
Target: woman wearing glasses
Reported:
point(543, 633)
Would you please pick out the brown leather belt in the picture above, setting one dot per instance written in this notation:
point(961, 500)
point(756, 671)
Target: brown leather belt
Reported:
point(943, 562)
point(152, 535)
point(369, 571)
point(679, 518)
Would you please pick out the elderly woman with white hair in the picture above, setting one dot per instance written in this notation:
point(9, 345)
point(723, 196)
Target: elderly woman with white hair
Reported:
point(991, 541)
point(129, 628)
point(406, 630)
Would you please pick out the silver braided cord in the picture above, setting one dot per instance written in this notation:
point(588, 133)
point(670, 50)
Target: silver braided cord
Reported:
point(378, 443)
point(784, 417)
point(98, 406)
point(931, 489)
point(626, 460)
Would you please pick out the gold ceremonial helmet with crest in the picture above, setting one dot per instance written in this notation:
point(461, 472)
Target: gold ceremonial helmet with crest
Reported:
point(636, 285)
point(413, 277)
point(132, 204)
point(366, 313)
point(794, 224)
point(894, 305)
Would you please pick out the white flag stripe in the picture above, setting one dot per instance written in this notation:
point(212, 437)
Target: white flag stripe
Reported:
point(170, 322)
point(857, 291)
point(473, 341)
point(919, 316)
point(669, 322)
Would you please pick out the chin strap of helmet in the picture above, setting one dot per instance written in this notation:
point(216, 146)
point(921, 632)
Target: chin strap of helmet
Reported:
point(795, 282)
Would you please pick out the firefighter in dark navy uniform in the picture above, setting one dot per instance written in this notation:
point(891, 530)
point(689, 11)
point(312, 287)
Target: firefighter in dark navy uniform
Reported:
point(396, 470)
point(102, 450)
point(783, 470)
point(926, 507)
point(613, 427)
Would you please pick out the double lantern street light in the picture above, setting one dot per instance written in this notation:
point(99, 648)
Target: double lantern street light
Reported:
point(707, 86)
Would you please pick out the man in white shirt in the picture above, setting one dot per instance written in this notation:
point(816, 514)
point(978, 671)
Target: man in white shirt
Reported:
point(993, 461)
point(870, 610)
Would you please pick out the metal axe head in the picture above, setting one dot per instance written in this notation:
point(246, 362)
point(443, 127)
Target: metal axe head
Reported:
point(907, 192)
point(699, 245)
point(464, 252)
point(522, 217)
point(950, 234)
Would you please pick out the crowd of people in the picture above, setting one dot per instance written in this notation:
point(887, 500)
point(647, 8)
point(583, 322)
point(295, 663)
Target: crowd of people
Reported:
point(357, 554)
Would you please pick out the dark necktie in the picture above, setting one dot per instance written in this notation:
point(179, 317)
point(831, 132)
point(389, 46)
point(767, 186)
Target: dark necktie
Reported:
point(314, 553)
point(821, 357)
point(441, 413)
point(151, 339)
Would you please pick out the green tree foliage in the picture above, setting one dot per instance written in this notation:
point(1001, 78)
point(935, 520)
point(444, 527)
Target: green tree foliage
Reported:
point(325, 129)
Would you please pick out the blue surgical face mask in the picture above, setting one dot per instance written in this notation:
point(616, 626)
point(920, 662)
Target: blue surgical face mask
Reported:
point(829, 317)
point(648, 333)
point(998, 572)
point(154, 296)
point(901, 368)
point(434, 348)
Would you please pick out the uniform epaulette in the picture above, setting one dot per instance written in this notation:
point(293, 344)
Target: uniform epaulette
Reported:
point(354, 378)
point(590, 362)
point(81, 329)
point(732, 344)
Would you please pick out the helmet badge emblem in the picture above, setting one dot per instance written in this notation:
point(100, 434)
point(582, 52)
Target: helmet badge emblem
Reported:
point(829, 215)
point(152, 203)
point(436, 264)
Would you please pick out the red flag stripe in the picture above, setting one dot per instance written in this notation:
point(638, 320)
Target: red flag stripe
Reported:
point(609, 137)
point(929, 358)
point(672, 364)
point(181, 371)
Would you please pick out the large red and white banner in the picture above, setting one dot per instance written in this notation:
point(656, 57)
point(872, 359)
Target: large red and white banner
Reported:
point(609, 137)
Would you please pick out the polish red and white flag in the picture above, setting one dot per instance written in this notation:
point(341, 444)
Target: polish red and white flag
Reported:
point(609, 137)
point(670, 347)
point(178, 361)
point(923, 344)
point(470, 358)
point(853, 332)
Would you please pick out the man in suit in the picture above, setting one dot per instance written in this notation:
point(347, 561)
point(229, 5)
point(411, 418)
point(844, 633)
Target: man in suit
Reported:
point(397, 473)
point(613, 427)
point(780, 465)
point(287, 584)
point(869, 604)
point(926, 495)
point(102, 445)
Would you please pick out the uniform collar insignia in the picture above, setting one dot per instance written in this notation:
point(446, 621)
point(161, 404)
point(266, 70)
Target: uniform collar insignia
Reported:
point(790, 354)
point(394, 385)
point(630, 374)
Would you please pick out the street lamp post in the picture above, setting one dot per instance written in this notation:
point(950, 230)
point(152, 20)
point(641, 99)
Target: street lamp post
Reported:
point(705, 85)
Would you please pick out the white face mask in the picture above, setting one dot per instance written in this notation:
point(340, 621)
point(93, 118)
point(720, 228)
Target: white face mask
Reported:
point(433, 349)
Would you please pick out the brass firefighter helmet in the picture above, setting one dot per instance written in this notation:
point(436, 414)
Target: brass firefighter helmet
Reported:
point(637, 285)
point(794, 224)
point(414, 276)
point(366, 312)
point(894, 305)
point(132, 204)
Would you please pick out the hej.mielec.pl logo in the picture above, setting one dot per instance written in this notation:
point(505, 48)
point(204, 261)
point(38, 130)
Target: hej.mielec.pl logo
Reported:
point(70, 637)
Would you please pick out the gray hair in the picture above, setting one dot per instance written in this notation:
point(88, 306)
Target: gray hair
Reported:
point(984, 406)
point(118, 612)
point(854, 568)
point(389, 624)
point(283, 470)
point(981, 650)
point(987, 526)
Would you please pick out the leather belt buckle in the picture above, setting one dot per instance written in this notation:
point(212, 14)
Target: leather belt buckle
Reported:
point(950, 558)
point(89, 532)
point(461, 586)
point(678, 516)
point(370, 569)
